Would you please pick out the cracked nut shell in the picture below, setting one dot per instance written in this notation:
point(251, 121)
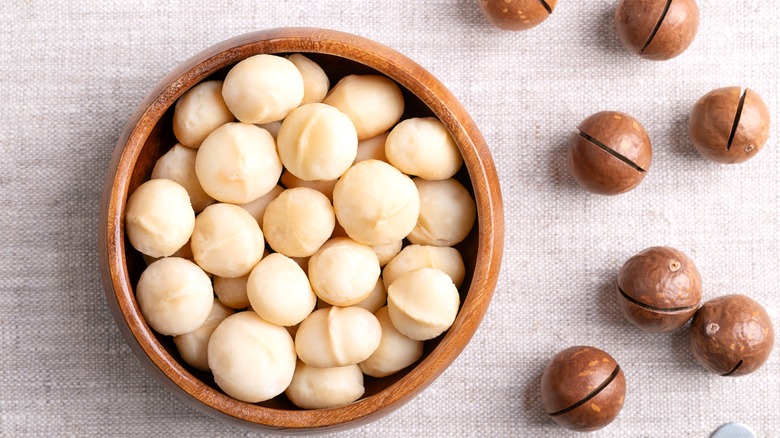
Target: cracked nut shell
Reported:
point(657, 29)
point(732, 335)
point(583, 388)
point(728, 125)
point(517, 14)
point(611, 153)
point(659, 289)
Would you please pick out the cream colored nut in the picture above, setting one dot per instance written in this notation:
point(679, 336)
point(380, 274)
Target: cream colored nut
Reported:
point(227, 241)
point(198, 112)
point(279, 291)
point(376, 203)
point(263, 89)
point(178, 164)
point(374, 103)
point(315, 82)
point(423, 303)
point(321, 388)
point(385, 253)
point(423, 147)
point(257, 207)
point(232, 291)
point(372, 148)
point(193, 346)
point(325, 187)
point(252, 360)
point(343, 272)
point(447, 213)
point(395, 351)
point(414, 257)
point(373, 302)
point(174, 296)
point(298, 222)
point(159, 218)
point(337, 337)
point(317, 142)
point(237, 163)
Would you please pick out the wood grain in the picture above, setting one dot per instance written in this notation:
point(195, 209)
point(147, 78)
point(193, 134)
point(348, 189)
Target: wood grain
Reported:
point(148, 134)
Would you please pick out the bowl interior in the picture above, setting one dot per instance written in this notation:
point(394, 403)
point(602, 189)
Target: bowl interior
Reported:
point(152, 135)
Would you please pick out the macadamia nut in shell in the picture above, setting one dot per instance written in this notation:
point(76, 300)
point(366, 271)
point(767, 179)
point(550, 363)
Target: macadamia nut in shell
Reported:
point(657, 29)
point(159, 218)
point(252, 360)
point(517, 14)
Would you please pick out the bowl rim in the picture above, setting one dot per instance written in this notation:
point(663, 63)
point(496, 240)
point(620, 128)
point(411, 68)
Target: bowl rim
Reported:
point(408, 74)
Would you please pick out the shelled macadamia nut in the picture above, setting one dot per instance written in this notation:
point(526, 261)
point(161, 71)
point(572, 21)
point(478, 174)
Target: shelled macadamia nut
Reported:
point(583, 388)
point(232, 291)
point(373, 302)
point(317, 142)
point(291, 181)
point(395, 351)
point(178, 165)
point(193, 346)
point(315, 82)
point(423, 303)
point(279, 291)
point(376, 203)
point(423, 147)
point(343, 272)
point(252, 360)
point(321, 388)
point(263, 89)
point(659, 289)
point(337, 336)
point(372, 148)
point(298, 222)
point(238, 163)
point(447, 213)
point(729, 125)
point(373, 103)
point(385, 253)
point(518, 14)
point(159, 218)
point(657, 29)
point(611, 154)
point(198, 112)
point(732, 335)
point(257, 207)
point(414, 257)
point(227, 241)
point(174, 296)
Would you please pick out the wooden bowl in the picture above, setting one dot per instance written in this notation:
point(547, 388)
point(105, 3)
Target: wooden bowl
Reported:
point(149, 134)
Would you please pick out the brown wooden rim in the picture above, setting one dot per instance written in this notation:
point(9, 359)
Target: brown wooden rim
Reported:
point(408, 74)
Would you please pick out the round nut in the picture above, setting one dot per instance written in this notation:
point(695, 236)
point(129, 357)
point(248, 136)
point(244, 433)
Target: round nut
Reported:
point(732, 335)
point(611, 154)
point(728, 126)
point(659, 289)
point(517, 15)
point(583, 388)
point(657, 29)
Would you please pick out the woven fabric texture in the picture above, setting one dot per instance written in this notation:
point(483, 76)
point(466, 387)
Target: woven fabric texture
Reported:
point(71, 73)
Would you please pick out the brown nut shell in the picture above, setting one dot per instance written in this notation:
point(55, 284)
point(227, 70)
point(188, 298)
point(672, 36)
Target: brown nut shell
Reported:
point(611, 154)
point(583, 388)
point(657, 29)
point(732, 335)
point(728, 125)
point(517, 14)
point(659, 289)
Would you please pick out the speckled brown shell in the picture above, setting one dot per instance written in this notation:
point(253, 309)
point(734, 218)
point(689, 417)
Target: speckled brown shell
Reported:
point(516, 14)
point(657, 29)
point(611, 154)
point(659, 289)
point(583, 388)
point(728, 125)
point(732, 335)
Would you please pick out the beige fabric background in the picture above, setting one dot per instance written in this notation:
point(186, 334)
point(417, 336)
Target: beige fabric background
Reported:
point(71, 73)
